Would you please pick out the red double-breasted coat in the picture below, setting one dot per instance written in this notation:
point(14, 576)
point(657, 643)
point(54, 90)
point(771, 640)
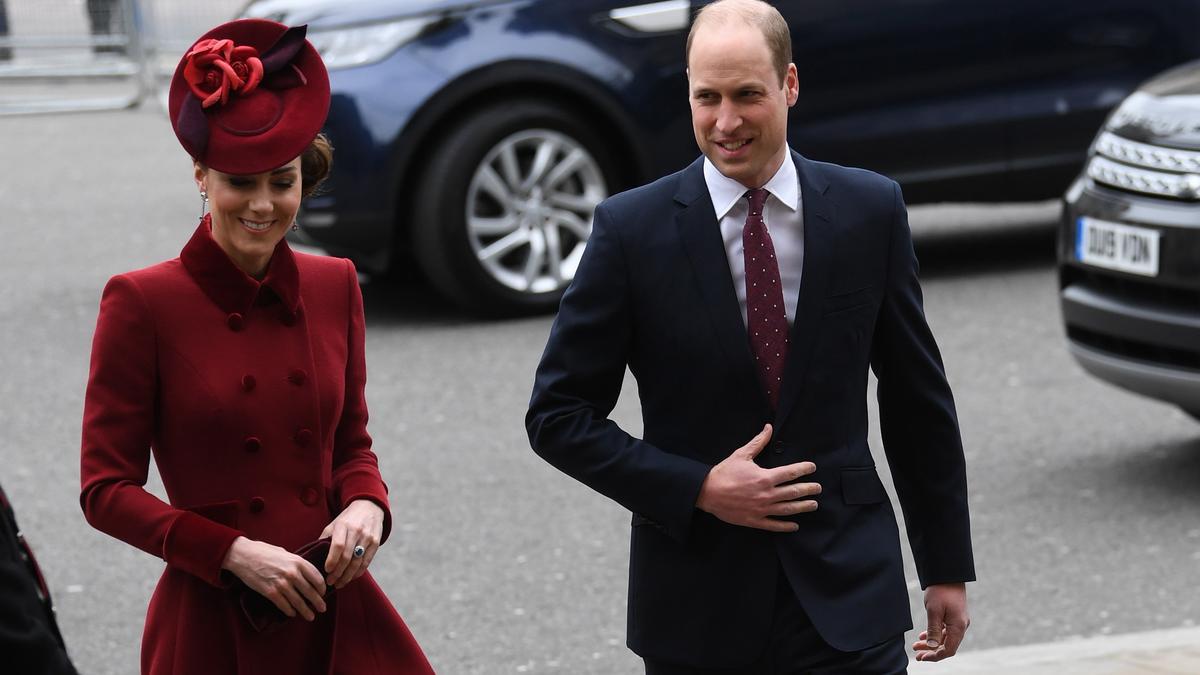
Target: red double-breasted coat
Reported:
point(250, 396)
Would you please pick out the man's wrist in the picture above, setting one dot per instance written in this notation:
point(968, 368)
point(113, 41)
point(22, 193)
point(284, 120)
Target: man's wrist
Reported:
point(702, 496)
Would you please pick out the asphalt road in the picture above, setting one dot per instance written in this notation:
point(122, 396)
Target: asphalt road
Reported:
point(1084, 502)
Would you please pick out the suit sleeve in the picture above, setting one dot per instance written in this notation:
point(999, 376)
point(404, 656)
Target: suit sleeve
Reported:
point(577, 385)
point(918, 422)
point(118, 425)
point(355, 467)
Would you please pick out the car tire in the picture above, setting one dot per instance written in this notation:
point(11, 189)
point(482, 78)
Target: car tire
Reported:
point(505, 205)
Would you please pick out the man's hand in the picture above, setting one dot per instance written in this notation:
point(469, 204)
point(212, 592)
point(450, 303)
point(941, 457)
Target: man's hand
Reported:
point(946, 607)
point(740, 492)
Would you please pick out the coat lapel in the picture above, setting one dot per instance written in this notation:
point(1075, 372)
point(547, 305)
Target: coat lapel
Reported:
point(819, 214)
point(701, 236)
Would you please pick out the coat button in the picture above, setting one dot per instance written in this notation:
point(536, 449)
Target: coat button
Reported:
point(288, 318)
point(252, 444)
point(297, 377)
point(257, 505)
point(248, 383)
point(309, 496)
point(235, 322)
point(303, 437)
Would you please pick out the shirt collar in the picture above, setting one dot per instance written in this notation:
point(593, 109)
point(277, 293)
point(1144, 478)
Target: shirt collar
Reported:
point(725, 191)
point(227, 285)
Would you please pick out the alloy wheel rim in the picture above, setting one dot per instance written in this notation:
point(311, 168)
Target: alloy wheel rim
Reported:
point(529, 209)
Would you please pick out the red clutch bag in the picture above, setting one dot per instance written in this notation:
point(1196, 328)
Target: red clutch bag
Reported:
point(262, 614)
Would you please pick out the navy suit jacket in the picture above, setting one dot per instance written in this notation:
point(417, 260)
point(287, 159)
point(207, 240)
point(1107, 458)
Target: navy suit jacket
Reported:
point(653, 292)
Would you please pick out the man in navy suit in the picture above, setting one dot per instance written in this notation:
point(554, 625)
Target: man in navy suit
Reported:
point(749, 294)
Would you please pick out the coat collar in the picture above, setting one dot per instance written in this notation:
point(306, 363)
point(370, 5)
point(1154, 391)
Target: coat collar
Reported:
point(227, 285)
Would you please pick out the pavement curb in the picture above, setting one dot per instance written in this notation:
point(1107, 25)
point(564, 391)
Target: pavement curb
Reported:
point(1166, 651)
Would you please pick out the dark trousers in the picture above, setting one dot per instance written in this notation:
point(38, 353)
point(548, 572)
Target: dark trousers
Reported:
point(795, 648)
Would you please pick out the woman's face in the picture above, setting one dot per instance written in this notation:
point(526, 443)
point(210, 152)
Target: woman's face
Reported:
point(250, 214)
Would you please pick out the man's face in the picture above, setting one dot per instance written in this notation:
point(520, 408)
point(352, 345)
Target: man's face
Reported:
point(739, 106)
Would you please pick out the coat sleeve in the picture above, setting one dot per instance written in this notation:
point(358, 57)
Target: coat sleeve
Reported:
point(577, 385)
point(355, 467)
point(918, 422)
point(118, 427)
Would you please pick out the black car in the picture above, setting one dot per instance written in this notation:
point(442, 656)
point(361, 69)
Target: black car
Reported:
point(1129, 245)
point(474, 137)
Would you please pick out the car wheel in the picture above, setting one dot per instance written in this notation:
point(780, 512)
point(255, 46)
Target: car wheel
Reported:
point(505, 207)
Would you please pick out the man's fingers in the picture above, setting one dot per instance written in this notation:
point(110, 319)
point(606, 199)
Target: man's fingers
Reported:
point(756, 444)
point(786, 474)
point(935, 616)
point(953, 636)
point(773, 525)
point(785, 493)
point(792, 507)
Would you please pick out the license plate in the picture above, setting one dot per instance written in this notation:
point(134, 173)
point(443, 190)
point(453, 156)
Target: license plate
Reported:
point(1117, 247)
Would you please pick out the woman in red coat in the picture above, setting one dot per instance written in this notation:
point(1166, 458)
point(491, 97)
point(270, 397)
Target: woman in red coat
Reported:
point(240, 365)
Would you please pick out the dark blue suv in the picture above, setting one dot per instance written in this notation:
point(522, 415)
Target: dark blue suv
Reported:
point(474, 137)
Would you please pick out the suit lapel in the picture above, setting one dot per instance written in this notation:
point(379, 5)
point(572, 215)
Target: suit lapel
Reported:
point(819, 214)
point(701, 237)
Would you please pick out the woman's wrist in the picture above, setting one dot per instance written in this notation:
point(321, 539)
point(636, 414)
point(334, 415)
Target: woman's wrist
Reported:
point(233, 556)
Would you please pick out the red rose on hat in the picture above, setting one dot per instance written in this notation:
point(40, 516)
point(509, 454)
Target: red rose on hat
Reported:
point(214, 68)
point(248, 96)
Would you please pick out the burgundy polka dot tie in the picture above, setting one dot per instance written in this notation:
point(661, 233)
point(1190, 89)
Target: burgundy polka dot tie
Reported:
point(766, 318)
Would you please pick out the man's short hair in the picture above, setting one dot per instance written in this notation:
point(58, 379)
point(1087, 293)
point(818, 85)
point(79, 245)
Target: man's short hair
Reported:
point(754, 13)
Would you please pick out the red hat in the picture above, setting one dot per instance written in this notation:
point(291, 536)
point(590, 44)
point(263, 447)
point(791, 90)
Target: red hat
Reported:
point(249, 96)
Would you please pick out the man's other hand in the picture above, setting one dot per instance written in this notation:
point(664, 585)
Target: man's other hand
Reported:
point(740, 492)
point(946, 607)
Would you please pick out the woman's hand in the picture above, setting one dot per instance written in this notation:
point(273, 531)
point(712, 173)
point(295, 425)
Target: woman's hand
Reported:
point(284, 578)
point(359, 524)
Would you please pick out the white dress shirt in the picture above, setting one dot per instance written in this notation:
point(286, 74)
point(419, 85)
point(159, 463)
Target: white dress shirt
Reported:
point(785, 223)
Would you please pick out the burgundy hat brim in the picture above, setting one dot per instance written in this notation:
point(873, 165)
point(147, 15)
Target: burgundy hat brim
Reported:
point(265, 129)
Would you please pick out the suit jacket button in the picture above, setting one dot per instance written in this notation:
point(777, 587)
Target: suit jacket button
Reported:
point(309, 496)
point(252, 444)
point(297, 377)
point(248, 383)
point(257, 505)
point(303, 437)
point(235, 322)
point(777, 447)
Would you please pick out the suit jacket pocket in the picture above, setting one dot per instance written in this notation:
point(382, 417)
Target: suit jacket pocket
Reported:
point(848, 301)
point(225, 513)
point(861, 485)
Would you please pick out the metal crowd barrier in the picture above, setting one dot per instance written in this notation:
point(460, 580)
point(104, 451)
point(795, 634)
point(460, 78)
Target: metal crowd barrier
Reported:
point(79, 55)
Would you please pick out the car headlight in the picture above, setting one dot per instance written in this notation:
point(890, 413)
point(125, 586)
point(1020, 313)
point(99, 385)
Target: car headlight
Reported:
point(1128, 111)
point(360, 45)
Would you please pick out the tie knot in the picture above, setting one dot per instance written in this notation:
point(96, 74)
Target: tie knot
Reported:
point(757, 198)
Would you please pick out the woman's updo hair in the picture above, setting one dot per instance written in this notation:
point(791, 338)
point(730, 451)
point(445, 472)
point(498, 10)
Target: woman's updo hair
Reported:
point(315, 163)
